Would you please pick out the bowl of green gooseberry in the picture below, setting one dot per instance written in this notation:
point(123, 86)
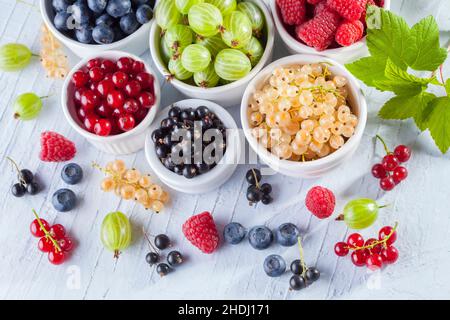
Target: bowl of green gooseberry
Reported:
point(211, 49)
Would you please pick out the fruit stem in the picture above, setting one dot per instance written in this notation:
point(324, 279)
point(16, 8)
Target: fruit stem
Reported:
point(116, 254)
point(22, 182)
point(47, 234)
point(384, 206)
point(378, 242)
point(148, 240)
point(384, 144)
point(256, 178)
point(302, 258)
point(44, 97)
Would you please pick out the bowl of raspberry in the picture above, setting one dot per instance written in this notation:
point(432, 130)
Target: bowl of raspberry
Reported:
point(111, 100)
point(332, 28)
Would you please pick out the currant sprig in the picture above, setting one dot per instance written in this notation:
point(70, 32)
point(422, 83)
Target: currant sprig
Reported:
point(373, 244)
point(46, 232)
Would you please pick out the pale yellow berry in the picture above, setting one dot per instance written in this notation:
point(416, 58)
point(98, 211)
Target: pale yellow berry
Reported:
point(265, 141)
point(275, 134)
point(352, 120)
point(340, 81)
point(256, 118)
point(108, 184)
point(324, 151)
point(119, 166)
point(316, 69)
point(127, 192)
point(292, 128)
point(315, 146)
point(154, 191)
point(165, 197)
point(306, 98)
point(303, 137)
point(132, 175)
point(253, 107)
point(321, 134)
point(285, 138)
point(336, 129)
point(258, 132)
point(308, 125)
point(300, 77)
point(330, 99)
point(336, 141)
point(258, 97)
point(306, 69)
point(326, 121)
point(109, 166)
point(270, 120)
point(320, 81)
point(145, 181)
point(291, 91)
point(347, 131)
point(329, 85)
point(272, 94)
point(310, 154)
point(305, 112)
point(282, 118)
point(343, 92)
point(328, 109)
point(141, 196)
point(297, 148)
point(317, 109)
point(343, 113)
point(295, 115)
point(283, 151)
point(284, 104)
point(157, 206)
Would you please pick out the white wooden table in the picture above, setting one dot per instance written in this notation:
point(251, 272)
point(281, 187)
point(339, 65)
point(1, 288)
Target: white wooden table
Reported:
point(420, 205)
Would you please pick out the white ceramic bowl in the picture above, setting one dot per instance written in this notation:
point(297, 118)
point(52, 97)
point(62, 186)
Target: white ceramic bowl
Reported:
point(315, 168)
point(342, 55)
point(135, 43)
point(124, 143)
point(215, 177)
point(226, 95)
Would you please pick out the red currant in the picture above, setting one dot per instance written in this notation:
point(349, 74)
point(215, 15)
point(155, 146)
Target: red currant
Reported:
point(104, 87)
point(120, 79)
point(389, 254)
point(108, 66)
point(57, 231)
point(387, 183)
point(96, 74)
point(77, 95)
point(89, 100)
point(146, 99)
point(132, 88)
point(386, 231)
point(66, 244)
point(56, 257)
point(108, 76)
point(402, 152)
point(355, 240)
point(36, 230)
point(45, 244)
point(390, 162)
point(115, 99)
point(400, 173)
point(376, 249)
point(138, 66)
point(140, 114)
point(131, 106)
point(81, 114)
point(125, 64)
point(378, 171)
point(92, 86)
point(126, 122)
point(103, 110)
point(93, 63)
point(341, 249)
point(102, 127)
point(79, 79)
point(118, 112)
point(374, 262)
point(359, 258)
point(146, 80)
point(89, 122)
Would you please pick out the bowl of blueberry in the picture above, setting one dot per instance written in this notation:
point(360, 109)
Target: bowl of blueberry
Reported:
point(193, 146)
point(90, 26)
point(111, 100)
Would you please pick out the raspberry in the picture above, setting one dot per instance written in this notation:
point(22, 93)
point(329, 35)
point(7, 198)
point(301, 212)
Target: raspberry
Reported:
point(321, 6)
point(349, 32)
point(348, 9)
point(292, 11)
point(319, 32)
point(56, 148)
point(314, 2)
point(201, 231)
point(320, 201)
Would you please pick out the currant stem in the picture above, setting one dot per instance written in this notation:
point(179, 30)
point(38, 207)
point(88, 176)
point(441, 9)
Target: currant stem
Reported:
point(376, 243)
point(302, 257)
point(22, 182)
point(384, 144)
point(256, 178)
point(148, 240)
point(47, 234)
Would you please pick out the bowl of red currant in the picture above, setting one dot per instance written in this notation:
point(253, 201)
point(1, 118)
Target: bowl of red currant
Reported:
point(111, 100)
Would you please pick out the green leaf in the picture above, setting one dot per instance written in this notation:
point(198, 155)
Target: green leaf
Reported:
point(388, 37)
point(368, 69)
point(404, 107)
point(447, 86)
point(438, 122)
point(423, 51)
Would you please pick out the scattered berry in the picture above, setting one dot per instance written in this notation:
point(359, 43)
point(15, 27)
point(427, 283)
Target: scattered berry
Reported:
point(387, 183)
point(56, 148)
point(386, 232)
point(162, 269)
point(234, 233)
point(355, 240)
point(174, 258)
point(320, 201)
point(18, 190)
point(72, 173)
point(260, 237)
point(64, 200)
point(274, 265)
point(201, 231)
point(287, 234)
point(26, 184)
point(152, 258)
point(162, 241)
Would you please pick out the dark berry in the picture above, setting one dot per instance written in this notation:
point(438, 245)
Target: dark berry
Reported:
point(201, 112)
point(18, 190)
point(162, 269)
point(32, 188)
point(189, 171)
point(297, 282)
point(234, 233)
point(144, 14)
point(174, 112)
point(274, 265)
point(296, 267)
point(162, 151)
point(72, 173)
point(260, 237)
point(26, 176)
point(253, 176)
point(162, 241)
point(152, 258)
point(64, 200)
point(287, 234)
point(266, 199)
point(174, 258)
point(312, 274)
point(254, 194)
point(266, 188)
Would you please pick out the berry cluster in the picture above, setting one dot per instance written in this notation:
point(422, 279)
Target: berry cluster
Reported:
point(113, 97)
point(256, 191)
point(320, 201)
point(389, 171)
point(324, 24)
point(53, 239)
point(162, 242)
point(131, 184)
point(26, 184)
point(373, 253)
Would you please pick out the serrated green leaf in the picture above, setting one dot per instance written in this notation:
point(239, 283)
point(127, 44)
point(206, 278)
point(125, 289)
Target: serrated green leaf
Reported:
point(438, 121)
point(423, 50)
point(368, 69)
point(404, 107)
point(447, 86)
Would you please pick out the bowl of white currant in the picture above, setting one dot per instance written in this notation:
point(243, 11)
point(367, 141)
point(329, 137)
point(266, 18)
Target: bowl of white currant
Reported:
point(211, 49)
point(193, 146)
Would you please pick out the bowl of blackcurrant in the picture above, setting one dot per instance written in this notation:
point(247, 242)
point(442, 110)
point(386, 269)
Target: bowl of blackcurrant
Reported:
point(193, 146)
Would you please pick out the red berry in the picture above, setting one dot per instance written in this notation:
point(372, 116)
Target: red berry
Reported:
point(387, 183)
point(115, 99)
point(389, 254)
point(102, 127)
point(140, 114)
point(341, 249)
point(92, 86)
point(359, 258)
point(108, 76)
point(45, 244)
point(400, 173)
point(355, 240)
point(138, 66)
point(104, 87)
point(36, 230)
point(89, 122)
point(108, 66)
point(320, 201)
point(103, 110)
point(56, 257)
point(66, 244)
point(146, 99)
point(96, 74)
point(79, 79)
point(131, 106)
point(376, 249)
point(349, 32)
point(57, 231)
point(126, 122)
point(378, 171)
point(374, 262)
point(133, 88)
point(386, 231)
point(55, 147)
point(93, 63)
point(120, 79)
point(125, 64)
point(77, 95)
point(201, 231)
point(145, 80)
point(292, 11)
point(81, 114)
point(349, 9)
point(89, 100)
point(402, 152)
point(390, 162)
point(118, 112)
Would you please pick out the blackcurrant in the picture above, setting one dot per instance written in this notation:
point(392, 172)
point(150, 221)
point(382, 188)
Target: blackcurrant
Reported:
point(18, 190)
point(202, 167)
point(254, 194)
point(162, 150)
point(266, 199)
point(253, 176)
point(178, 169)
point(189, 171)
point(187, 114)
point(201, 111)
point(33, 188)
point(266, 188)
point(162, 241)
point(312, 274)
point(157, 135)
point(162, 269)
point(174, 112)
point(152, 258)
point(174, 258)
point(296, 267)
point(297, 282)
point(26, 176)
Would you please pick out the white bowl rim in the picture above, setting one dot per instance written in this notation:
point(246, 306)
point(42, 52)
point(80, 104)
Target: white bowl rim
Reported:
point(140, 127)
point(300, 59)
point(299, 46)
point(235, 84)
point(175, 179)
point(110, 46)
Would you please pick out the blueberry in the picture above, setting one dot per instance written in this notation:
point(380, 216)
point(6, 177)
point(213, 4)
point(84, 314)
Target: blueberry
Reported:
point(274, 265)
point(144, 14)
point(137, 3)
point(103, 34)
point(60, 5)
point(98, 6)
point(233, 233)
point(80, 13)
point(106, 19)
point(260, 237)
point(64, 200)
point(62, 21)
point(118, 33)
point(72, 173)
point(128, 23)
point(287, 234)
point(118, 8)
point(84, 34)
point(312, 274)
